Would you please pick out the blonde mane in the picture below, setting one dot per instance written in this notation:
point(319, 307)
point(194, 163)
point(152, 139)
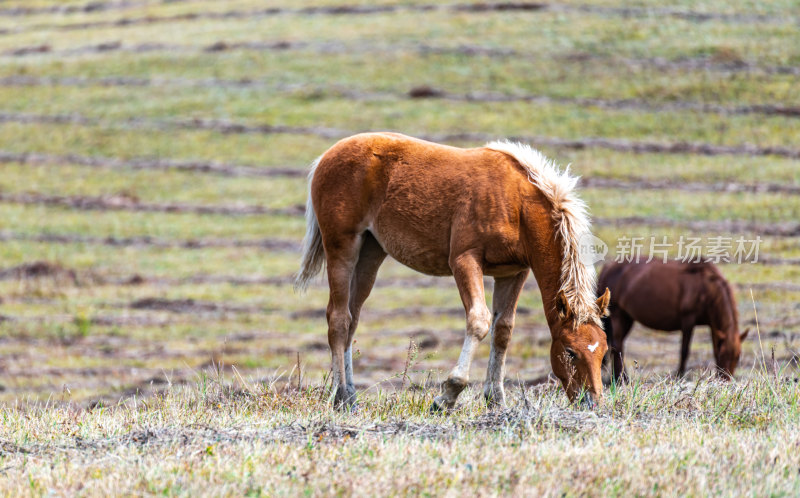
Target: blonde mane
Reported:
point(578, 279)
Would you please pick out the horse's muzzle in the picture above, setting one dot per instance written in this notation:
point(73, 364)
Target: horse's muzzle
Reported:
point(588, 402)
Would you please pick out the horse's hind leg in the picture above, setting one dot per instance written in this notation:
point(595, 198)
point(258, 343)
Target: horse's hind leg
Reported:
point(504, 306)
point(621, 324)
point(341, 252)
point(469, 278)
point(370, 258)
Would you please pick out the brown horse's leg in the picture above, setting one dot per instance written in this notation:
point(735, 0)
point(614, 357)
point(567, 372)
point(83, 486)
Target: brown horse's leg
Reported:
point(687, 327)
point(341, 252)
point(370, 259)
point(504, 307)
point(469, 278)
point(621, 324)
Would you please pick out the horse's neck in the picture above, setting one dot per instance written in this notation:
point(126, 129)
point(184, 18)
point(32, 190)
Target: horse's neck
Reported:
point(721, 315)
point(544, 256)
point(548, 282)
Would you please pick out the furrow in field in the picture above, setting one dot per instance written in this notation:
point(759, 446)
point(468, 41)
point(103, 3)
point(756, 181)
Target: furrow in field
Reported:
point(697, 63)
point(63, 276)
point(783, 229)
point(749, 228)
point(127, 203)
point(45, 271)
point(160, 312)
point(18, 10)
point(670, 184)
point(419, 92)
point(232, 127)
point(122, 202)
point(148, 164)
point(145, 241)
point(235, 170)
point(355, 9)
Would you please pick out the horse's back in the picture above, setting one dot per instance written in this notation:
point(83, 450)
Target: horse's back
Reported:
point(420, 199)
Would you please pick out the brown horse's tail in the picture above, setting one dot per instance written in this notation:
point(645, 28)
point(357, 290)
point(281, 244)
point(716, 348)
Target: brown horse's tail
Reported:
point(313, 252)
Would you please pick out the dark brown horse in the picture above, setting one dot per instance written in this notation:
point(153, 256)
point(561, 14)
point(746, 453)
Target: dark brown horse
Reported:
point(672, 296)
point(499, 210)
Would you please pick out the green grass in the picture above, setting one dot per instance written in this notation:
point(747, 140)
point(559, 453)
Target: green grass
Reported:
point(599, 77)
point(418, 117)
point(172, 186)
point(556, 32)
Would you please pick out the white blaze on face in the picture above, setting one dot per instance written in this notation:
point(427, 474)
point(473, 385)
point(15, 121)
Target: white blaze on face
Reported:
point(592, 347)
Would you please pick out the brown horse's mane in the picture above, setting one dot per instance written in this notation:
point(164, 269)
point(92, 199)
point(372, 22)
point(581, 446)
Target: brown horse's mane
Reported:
point(572, 220)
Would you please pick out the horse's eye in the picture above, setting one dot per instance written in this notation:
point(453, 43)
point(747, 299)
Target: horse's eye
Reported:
point(572, 355)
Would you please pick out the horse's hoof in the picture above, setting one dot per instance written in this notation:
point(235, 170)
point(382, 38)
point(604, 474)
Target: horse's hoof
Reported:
point(346, 407)
point(494, 403)
point(345, 400)
point(440, 406)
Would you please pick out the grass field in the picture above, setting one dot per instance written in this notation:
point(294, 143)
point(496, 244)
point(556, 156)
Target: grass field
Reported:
point(152, 177)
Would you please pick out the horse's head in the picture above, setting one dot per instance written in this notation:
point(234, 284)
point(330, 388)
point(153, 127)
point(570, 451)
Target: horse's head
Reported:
point(725, 336)
point(727, 349)
point(576, 353)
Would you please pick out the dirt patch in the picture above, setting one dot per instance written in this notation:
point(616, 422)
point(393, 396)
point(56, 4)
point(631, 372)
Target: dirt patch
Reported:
point(500, 7)
point(38, 269)
point(192, 306)
point(425, 92)
point(425, 339)
point(31, 50)
point(43, 277)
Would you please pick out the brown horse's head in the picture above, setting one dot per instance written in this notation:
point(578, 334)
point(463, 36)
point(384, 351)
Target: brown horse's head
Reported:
point(576, 353)
point(727, 349)
point(724, 321)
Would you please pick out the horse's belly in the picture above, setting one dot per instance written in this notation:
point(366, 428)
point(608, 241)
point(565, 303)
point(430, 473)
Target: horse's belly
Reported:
point(417, 251)
point(652, 312)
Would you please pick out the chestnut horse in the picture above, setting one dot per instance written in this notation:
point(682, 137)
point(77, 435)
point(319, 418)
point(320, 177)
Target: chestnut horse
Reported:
point(672, 296)
point(498, 210)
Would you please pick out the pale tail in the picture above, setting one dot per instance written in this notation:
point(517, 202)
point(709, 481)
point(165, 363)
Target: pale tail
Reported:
point(313, 252)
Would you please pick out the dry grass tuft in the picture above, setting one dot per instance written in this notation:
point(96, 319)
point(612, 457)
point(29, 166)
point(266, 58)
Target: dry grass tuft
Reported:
point(255, 438)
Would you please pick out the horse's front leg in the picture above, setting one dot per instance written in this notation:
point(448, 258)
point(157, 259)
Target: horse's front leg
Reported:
point(469, 279)
point(504, 305)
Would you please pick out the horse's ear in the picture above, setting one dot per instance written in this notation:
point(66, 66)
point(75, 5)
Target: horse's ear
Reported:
point(562, 306)
point(743, 335)
point(602, 302)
